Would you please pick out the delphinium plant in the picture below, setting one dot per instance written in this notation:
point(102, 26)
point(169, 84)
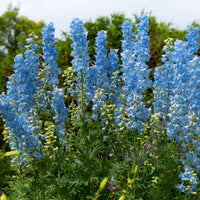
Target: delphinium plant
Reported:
point(18, 101)
point(135, 54)
point(87, 151)
point(100, 86)
point(176, 102)
point(130, 111)
point(96, 148)
point(104, 81)
point(50, 98)
point(35, 113)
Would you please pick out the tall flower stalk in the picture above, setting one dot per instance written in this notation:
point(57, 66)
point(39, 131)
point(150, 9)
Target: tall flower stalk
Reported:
point(135, 54)
point(176, 101)
point(33, 95)
point(80, 64)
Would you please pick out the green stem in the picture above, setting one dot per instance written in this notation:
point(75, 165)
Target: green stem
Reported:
point(133, 190)
point(185, 198)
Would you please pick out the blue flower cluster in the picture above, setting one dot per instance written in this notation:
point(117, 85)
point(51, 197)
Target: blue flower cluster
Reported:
point(60, 112)
point(188, 175)
point(80, 65)
point(135, 54)
point(101, 86)
point(96, 80)
point(106, 64)
point(52, 97)
point(101, 81)
point(114, 81)
point(51, 70)
point(17, 102)
point(101, 61)
point(79, 53)
point(176, 98)
point(30, 90)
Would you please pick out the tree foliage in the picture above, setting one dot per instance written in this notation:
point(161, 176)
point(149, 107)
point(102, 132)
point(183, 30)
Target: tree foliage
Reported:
point(14, 30)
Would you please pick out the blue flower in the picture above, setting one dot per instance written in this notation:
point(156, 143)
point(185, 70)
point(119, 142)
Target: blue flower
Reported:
point(181, 187)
